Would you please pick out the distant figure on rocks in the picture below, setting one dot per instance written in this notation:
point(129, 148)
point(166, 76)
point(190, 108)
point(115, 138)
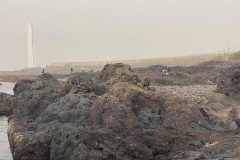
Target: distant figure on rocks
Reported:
point(163, 72)
point(168, 70)
point(71, 70)
point(83, 68)
point(43, 71)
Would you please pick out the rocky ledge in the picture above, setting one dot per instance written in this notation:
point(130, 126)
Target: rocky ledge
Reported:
point(230, 84)
point(115, 115)
point(5, 104)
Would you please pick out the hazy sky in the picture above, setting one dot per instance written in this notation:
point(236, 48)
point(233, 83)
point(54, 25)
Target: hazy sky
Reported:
point(92, 30)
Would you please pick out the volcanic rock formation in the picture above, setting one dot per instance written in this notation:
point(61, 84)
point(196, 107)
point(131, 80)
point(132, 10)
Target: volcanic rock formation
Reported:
point(230, 85)
point(116, 115)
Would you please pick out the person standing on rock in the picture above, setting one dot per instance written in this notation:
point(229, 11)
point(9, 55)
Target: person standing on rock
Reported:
point(43, 71)
point(163, 72)
point(71, 70)
point(168, 70)
point(83, 68)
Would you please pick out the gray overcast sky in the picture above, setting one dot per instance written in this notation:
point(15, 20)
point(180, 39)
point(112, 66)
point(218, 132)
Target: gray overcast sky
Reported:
point(92, 30)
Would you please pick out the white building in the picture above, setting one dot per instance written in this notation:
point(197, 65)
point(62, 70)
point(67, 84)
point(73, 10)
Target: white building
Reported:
point(32, 55)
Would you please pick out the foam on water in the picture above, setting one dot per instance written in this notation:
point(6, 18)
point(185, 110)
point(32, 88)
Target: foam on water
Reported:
point(5, 153)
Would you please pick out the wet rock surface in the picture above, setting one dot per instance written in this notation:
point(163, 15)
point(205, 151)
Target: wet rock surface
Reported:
point(117, 114)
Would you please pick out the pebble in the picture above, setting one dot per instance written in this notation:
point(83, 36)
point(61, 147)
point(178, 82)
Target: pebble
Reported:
point(196, 93)
point(196, 143)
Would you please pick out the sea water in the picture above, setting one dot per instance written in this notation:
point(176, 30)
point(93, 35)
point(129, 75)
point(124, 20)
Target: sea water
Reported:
point(5, 153)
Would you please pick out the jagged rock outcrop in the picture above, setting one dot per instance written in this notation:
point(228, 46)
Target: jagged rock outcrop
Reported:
point(112, 116)
point(50, 115)
point(5, 104)
point(113, 73)
point(234, 114)
point(230, 85)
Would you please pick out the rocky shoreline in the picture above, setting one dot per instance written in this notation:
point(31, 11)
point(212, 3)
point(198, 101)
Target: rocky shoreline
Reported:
point(119, 114)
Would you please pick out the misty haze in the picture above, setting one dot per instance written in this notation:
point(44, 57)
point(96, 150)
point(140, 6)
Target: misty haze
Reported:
point(80, 31)
point(119, 79)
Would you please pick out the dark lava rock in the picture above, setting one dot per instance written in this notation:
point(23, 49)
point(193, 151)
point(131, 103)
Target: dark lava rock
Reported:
point(50, 117)
point(230, 85)
point(196, 143)
point(113, 73)
point(110, 117)
point(235, 115)
point(182, 75)
point(5, 104)
point(191, 155)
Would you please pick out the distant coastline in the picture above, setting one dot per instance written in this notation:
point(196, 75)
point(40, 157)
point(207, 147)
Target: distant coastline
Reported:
point(94, 66)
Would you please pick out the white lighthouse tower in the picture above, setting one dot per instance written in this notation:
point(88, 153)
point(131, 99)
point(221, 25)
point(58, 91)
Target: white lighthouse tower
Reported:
point(32, 55)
